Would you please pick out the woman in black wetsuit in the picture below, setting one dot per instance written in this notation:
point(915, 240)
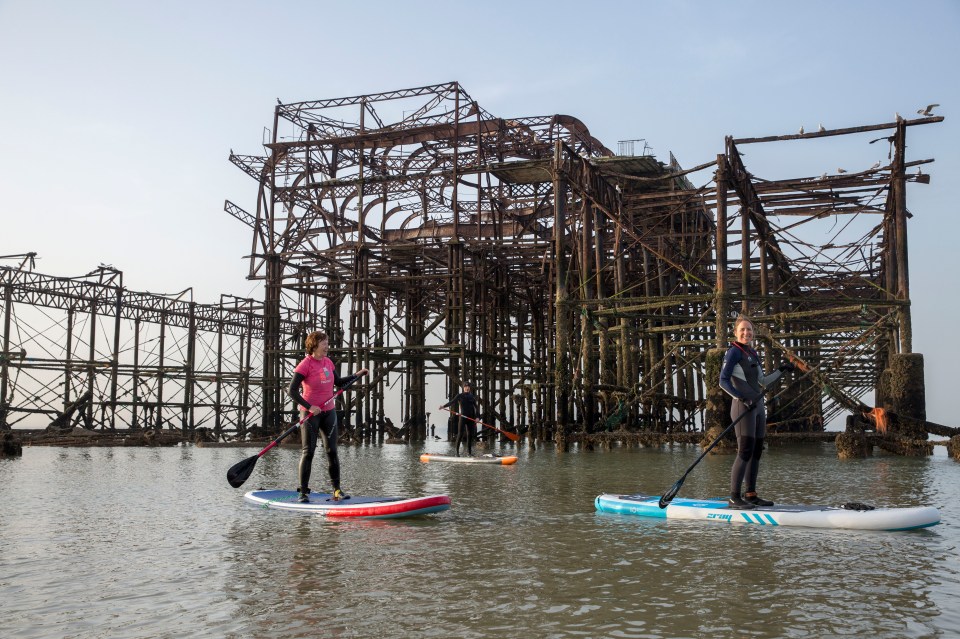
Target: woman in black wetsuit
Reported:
point(467, 407)
point(743, 379)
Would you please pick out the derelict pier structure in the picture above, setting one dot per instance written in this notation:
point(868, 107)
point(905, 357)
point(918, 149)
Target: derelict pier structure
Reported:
point(580, 291)
point(585, 294)
point(87, 350)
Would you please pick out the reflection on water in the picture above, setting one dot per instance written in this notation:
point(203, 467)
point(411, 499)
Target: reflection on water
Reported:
point(154, 543)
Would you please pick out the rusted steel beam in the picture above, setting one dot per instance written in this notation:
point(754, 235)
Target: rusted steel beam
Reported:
point(740, 181)
point(835, 132)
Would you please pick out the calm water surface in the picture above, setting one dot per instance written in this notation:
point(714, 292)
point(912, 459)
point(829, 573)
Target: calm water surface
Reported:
point(139, 542)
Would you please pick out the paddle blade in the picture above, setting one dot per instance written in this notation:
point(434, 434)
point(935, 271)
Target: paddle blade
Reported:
point(240, 471)
point(670, 494)
point(511, 436)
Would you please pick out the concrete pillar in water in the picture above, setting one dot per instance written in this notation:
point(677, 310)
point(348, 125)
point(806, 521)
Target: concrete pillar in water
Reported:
point(953, 447)
point(10, 445)
point(718, 404)
point(907, 396)
point(853, 445)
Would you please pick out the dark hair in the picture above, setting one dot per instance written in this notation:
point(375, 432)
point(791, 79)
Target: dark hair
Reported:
point(313, 340)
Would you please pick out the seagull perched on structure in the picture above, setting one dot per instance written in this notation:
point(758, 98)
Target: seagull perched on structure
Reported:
point(928, 111)
point(875, 166)
point(896, 115)
point(841, 170)
point(824, 176)
point(821, 129)
point(800, 132)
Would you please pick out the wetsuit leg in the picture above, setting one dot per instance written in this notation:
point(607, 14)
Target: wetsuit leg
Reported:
point(468, 427)
point(308, 444)
point(329, 432)
point(753, 467)
point(460, 433)
point(746, 442)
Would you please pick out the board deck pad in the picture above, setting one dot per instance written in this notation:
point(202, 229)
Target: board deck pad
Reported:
point(354, 506)
point(776, 515)
point(504, 460)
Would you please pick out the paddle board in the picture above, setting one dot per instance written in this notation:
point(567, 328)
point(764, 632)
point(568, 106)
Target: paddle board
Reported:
point(483, 459)
point(777, 515)
point(351, 507)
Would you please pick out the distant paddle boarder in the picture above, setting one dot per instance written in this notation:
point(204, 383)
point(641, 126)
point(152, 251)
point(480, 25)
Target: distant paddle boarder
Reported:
point(467, 407)
point(316, 376)
point(743, 379)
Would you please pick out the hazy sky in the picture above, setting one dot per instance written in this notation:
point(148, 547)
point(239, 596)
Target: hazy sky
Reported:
point(118, 117)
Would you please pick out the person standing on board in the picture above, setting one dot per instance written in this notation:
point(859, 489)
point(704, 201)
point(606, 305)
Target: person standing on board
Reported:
point(467, 407)
point(316, 376)
point(743, 379)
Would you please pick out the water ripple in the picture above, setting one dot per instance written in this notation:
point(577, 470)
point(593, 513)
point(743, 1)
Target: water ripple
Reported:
point(154, 543)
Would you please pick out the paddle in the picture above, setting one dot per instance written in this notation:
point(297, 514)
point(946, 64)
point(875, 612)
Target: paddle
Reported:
point(240, 471)
point(670, 494)
point(511, 436)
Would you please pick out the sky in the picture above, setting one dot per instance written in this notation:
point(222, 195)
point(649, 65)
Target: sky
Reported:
point(118, 116)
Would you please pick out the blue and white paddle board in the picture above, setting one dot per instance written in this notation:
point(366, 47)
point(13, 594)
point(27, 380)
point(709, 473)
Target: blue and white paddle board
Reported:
point(352, 507)
point(777, 515)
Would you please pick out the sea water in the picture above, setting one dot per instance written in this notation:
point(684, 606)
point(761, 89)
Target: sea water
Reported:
point(153, 542)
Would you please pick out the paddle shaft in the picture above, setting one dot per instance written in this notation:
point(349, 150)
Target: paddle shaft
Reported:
point(714, 443)
point(283, 435)
point(510, 436)
point(300, 423)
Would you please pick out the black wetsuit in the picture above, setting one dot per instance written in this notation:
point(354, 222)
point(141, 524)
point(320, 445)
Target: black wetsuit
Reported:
point(743, 379)
point(323, 423)
point(467, 407)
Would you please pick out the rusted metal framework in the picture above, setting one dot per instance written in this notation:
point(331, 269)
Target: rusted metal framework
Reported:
point(89, 351)
point(831, 260)
point(384, 208)
point(578, 290)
